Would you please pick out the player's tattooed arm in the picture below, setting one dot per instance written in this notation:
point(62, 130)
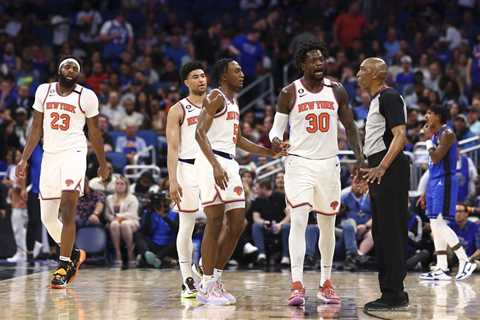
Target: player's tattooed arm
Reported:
point(213, 102)
point(175, 118)
point(447, 138)
point(32, 140)
point(345, 115)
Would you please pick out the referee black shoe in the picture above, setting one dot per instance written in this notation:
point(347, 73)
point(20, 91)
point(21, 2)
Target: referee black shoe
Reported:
point(382, 304)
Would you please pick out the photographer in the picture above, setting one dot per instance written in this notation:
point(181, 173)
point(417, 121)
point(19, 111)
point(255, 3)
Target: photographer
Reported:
point(157, 237)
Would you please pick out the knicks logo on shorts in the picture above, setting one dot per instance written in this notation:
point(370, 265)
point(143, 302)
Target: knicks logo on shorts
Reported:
point(69, 182)
point(238, 190)
point(334, 205)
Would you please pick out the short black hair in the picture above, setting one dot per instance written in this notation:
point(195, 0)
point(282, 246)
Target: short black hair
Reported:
point(306, 47)
point(189, 67)
point(219, 68)
point(64, 57)
point(442, 112)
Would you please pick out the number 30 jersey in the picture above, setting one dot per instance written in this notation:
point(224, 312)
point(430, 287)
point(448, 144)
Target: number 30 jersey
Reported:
point(313, 122)
point(64, 116)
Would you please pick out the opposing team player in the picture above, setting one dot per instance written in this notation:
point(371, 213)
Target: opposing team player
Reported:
point(182, 150)
point(441, 196)
point(221, 191)
point(60, 111)
point(312, 106)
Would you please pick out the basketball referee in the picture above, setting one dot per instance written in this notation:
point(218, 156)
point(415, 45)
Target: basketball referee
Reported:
point(388, 180)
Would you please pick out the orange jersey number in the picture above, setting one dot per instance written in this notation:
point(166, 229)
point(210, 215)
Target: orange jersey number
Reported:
point(59, 121)
point(235, 133)
point(318, 123)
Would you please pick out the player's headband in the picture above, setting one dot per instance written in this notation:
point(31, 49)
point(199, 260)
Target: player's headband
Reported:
point(69, 60)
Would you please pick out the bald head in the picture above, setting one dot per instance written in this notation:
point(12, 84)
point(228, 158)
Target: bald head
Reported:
point(377, 66)
point(373, 73)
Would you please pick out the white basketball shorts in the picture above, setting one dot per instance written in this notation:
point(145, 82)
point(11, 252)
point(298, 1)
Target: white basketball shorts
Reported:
point(313, 183)
point(233, 197)
point(62, 171)
point(187, 178)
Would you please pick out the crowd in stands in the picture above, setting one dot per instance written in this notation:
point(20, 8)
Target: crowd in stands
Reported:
point(131, 53)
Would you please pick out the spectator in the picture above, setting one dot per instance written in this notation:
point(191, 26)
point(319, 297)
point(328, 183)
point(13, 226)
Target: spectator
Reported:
point(207, 42)
point(131, 144)
point(250, 53)
point(473, 122)
point(90, 207)
point(361, 111)
point(21, 125)
point(117, 36)
point(466, 176)
point(156, 240)
point(105, 128)
point(270, 218)
point(113, 110)
point(280, 182)
point(462, 131)
point(248, 178)
point(96, 77)
point(88, 20)
point(467, 232)
point(405, 79)
point(8, 95)
point(356, 222)
point(176, 52)
point(391, 45)
point(349, 26)
point(17, 195)
point(106, 187)
point(121, 215)
point(131, 115)
point(23, 98)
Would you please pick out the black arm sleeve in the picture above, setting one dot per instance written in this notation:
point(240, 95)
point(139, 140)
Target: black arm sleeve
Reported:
point(392, 107)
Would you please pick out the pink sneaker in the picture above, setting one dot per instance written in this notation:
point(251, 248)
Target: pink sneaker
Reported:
point(230, 297)
point(327, 293)
point(211, 295)
point(297, 296)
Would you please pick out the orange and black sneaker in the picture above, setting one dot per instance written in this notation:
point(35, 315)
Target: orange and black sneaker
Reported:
point(62, 275)
point(78, 257)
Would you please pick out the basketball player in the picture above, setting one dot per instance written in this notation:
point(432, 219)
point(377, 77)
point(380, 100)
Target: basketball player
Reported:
point(312, 105)
point(221, 191)
point(441, 195)
point(60, 111)
point(181, 125)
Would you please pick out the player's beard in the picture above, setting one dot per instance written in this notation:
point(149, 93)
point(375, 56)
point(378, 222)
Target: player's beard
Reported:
point(67, 83)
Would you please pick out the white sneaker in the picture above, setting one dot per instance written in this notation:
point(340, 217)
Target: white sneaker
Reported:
point(435, 275)
point(465, 270)
point(230, 297)
point(249, 248)
point(19, 257)
point(285, 261)
point(211, 294)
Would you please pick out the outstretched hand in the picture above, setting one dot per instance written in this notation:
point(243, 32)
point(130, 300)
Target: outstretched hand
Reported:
point(373, 175)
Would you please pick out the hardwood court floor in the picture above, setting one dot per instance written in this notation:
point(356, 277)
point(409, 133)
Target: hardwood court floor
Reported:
point(101, 293)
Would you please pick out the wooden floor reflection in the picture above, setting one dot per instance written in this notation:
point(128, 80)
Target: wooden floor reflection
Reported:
point(149, 294)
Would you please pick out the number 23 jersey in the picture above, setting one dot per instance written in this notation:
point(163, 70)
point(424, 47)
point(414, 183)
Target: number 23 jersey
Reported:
point(64, 116)
point(313, 122)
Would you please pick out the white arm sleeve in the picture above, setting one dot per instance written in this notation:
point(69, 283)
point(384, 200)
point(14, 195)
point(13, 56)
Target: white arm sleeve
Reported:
point(422, 184)
point(279, 125)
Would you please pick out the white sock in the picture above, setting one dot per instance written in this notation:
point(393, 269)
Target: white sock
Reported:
point(62, 258)
point(49, 212)
point(206, 279)
point(452, 239)
point(217, 273)
point(296, 241)
point(440, 244)
point(326, 244)
point(184, 243)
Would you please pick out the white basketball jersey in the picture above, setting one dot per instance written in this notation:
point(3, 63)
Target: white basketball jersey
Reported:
point(223, 132)
point(64, 116)
point(313, 122)
point(188, 146)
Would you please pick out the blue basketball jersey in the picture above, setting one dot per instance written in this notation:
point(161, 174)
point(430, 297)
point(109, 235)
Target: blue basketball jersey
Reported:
point(448, 165)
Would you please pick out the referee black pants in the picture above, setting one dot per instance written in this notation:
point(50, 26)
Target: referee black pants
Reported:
point(389, 227)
